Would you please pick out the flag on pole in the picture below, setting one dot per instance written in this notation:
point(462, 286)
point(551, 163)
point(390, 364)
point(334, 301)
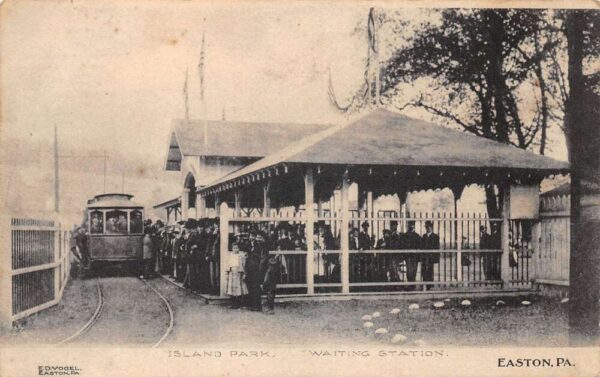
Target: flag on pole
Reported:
point(201, 69)
point(201, 75)
point(186, 97)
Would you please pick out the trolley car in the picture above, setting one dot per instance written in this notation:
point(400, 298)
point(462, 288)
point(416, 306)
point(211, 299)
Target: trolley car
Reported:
point(115, 228)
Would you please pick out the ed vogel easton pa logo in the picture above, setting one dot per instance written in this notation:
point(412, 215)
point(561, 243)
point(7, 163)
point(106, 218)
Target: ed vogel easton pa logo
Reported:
point(61, 370)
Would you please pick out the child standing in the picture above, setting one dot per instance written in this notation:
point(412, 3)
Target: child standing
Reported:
point(236, 287)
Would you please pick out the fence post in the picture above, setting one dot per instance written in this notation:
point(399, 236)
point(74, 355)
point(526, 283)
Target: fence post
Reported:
point(201, 206)
point(535, 240)
point(309, 194)
point(504, 262)
point(185, 203)
point(5, 271)
point(459, 272)
point(224, 248)
point(344, 240)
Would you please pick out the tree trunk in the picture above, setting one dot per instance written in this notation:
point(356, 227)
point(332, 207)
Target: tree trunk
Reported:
point(493, 202)
point(582, 141)
point(496, 63)
point(543, 97)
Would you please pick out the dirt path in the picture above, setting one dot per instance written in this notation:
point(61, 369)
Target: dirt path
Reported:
point(132, 315)
point(58, 322)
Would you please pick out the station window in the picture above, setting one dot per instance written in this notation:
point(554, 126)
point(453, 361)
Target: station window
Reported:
point(136, 220)
point(116, 222)
point(96, 222)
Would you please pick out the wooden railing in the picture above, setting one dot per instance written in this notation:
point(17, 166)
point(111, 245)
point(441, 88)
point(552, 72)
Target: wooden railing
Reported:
point(462, 261)
point(34, 266)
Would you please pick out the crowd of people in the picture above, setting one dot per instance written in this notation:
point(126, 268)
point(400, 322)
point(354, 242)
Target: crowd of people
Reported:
point(189, 252)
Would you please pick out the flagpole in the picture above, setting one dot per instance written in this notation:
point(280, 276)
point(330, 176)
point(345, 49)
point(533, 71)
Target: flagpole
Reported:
point(186, 97)
point(377, 63)
point(201, 74)
point(56, 174)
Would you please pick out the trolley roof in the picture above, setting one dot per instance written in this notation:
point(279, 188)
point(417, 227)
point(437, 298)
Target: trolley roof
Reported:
point(113, 200)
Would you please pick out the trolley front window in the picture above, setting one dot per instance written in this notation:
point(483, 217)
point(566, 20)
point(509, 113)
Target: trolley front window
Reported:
point(116, 222)
point(136, 222)
point(96, 222)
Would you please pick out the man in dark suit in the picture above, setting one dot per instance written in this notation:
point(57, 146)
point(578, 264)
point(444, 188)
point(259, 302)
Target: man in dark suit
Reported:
point(254, 277)
point(269, 284)
point(490, 260)
point(411, 241)
point(365, 243)
point(431, 241)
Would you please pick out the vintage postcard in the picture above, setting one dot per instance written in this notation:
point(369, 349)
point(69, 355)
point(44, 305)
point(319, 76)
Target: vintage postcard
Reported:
point(299, 188)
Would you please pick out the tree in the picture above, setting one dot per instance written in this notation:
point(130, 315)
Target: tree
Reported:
point(479, 60)
point(582, 111)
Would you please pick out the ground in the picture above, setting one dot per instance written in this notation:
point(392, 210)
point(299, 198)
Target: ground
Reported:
point(134, 315)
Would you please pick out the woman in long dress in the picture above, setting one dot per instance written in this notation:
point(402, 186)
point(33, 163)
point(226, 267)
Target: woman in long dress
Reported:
point(236, 287)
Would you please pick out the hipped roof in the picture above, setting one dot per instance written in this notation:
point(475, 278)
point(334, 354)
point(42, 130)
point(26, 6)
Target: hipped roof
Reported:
point(384, 138)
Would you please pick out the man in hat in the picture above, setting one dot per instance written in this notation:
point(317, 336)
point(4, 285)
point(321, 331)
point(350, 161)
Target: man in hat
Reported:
point(214, 248)
point(490, 260)
point(411, 241)
point(269, 284)
point(147, 252)
point(431, 241)
point(208, 238)
point(365, 243)
point(195, 253)
point(80, 247)
point(384, 243)
point(252, 271)
point(395, 272)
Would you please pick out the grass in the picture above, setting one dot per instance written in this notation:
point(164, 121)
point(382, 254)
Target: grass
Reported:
point(483, 323)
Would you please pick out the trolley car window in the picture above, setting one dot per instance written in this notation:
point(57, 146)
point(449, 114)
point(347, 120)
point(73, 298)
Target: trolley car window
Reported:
point(96, 222)
point(116, 222)
point(135, 225)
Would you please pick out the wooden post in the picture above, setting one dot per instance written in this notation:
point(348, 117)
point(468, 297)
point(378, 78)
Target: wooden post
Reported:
point(457, 242)
point(6, 298)
point(238, 204)
point(224, 249)
point(504, 263)
point(536, 237)
point(185, 204)
point(344, 239)
point(201, 206)
point(370, 210)
point(309, 194)
point(266, 199)
point(218, 205)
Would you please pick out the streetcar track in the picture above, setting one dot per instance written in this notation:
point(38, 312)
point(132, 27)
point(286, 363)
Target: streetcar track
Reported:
point(92, 320)
point(99, 309)
point(169, 309)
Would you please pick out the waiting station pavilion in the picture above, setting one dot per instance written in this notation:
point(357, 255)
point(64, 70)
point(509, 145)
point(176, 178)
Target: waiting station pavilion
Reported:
point(304, 188)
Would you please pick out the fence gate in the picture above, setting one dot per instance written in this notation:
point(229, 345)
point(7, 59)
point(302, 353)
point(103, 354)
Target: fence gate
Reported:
point(34, 266)
point(552, 261)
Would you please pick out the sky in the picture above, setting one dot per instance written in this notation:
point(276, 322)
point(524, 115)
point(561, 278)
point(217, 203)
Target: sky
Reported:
point(110, 77)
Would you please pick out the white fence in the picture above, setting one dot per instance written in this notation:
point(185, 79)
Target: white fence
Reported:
point(552, 260)
point(34, 266)
point(462, 260)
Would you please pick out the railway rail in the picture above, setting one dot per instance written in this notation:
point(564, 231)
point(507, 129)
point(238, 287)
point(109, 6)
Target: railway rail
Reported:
point(100, 309)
